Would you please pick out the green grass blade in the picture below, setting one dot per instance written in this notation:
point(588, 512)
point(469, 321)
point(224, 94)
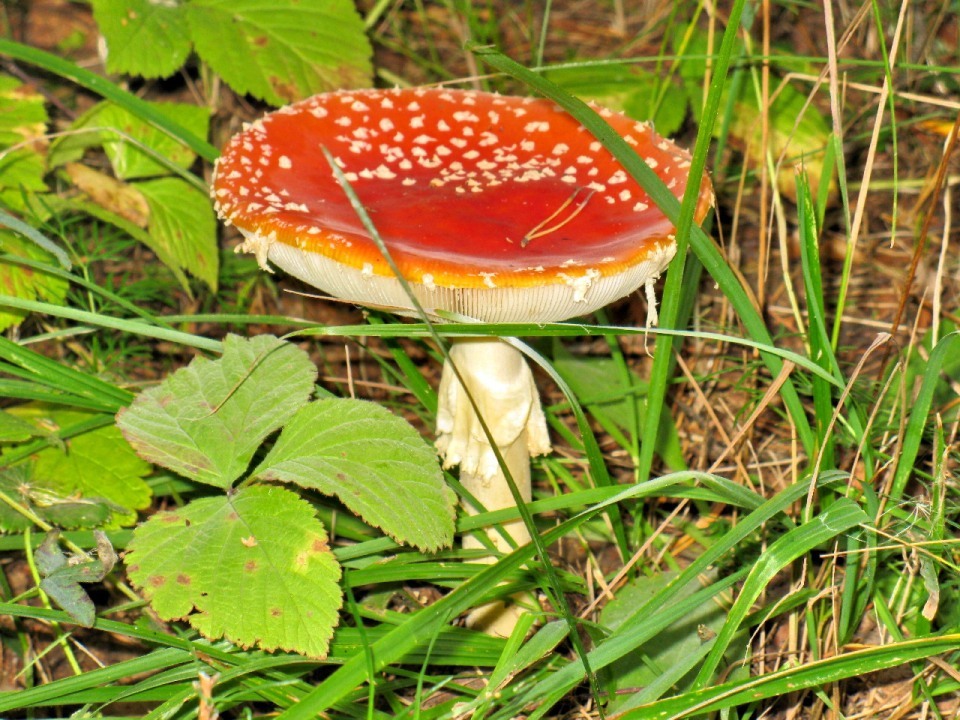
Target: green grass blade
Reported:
point(654, 615)
point(452, 330)
point(35, 237)
point(134, 327)
point(421, 627)
point(88, 285)
point(811, 675)
point(598, 467)
point(841, 516)
point(818, 338)
point(681, 216)
point(57, 376)
point(913, 436)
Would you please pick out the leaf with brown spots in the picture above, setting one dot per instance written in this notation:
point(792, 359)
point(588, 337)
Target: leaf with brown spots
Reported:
point(279, 592)
point(143, 37)
point(23, 282)
point(284, 50)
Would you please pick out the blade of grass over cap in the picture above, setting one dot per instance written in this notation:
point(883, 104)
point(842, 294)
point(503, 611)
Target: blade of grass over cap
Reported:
point(110, 91)
point(553, 585)
point(681, 216)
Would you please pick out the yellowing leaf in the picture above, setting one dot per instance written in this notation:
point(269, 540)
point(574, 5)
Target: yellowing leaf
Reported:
point(252, 566)
point(24, 282)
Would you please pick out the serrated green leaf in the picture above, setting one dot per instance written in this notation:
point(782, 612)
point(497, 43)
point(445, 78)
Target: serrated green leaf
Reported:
point(62, 511)
point(208, 419)
point(284, 50)
point(145, 38)
point(134, 146)
point(374, 462)
point(23, 116)
point(14, 429)
point(23, 122)
point(183, 228)
point(96, 465)
point(24, 282)
point(252, 566)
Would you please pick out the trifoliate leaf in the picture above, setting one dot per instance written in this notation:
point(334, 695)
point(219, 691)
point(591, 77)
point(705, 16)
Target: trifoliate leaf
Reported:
point(374, 462)
point(23, 282)
point(183, 228)
point(137, 149)
point(95, 465)
point(205, 421)
point(252, 566)
point(284, 50)
point(62, 578)
point(143, 37)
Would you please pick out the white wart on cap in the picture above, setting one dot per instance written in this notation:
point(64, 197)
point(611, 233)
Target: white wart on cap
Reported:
point(500, 208)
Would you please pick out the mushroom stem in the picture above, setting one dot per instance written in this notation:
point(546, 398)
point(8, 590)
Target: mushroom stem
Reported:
point(502, 385)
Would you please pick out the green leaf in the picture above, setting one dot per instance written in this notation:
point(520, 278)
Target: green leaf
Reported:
point(14, 429)
point(24, 282)
point(23, 122)
point(62, 578)
point(56, 508)
point(253, 567)
point(97, 465)
point(670, 658)
point(284, 50)
point(135, 144)
point(183, 229)
point(627, 89)
point(374, 462)
point(208, 419)
point(797, 132)
point(145, 38)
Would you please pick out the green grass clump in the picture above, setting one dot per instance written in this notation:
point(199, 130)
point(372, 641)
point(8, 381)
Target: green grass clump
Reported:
point(759, 520)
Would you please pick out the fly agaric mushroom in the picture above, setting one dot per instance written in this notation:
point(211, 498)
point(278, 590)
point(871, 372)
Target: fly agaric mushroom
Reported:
point(499, 208)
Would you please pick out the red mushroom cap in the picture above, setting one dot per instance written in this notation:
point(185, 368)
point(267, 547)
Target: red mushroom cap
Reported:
point(501, 208)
